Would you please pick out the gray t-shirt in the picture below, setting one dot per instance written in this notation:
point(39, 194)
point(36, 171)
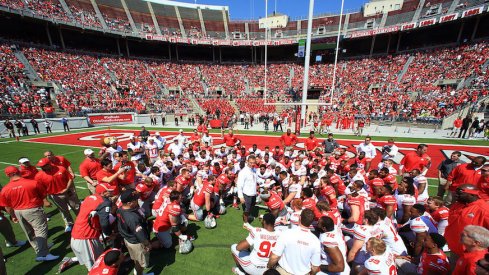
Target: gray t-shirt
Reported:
point(447, 166)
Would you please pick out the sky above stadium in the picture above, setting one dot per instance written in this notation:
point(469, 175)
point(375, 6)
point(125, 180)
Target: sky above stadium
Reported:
point(254, 9)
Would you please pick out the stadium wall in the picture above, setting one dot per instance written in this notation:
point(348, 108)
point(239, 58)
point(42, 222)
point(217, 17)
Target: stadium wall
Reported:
point(73, 123)
point(31, 30)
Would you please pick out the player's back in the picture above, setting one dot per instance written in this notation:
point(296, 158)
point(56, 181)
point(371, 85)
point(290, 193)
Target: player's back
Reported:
point(263, 242)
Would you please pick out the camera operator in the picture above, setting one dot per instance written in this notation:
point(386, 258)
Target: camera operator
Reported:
point(130, 171)
point(109, 175)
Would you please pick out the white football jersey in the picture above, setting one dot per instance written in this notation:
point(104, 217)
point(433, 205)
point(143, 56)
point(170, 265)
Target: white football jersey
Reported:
point(136, 146)
point(296, 187)
point(381, 264)
point(422, 197)
point(302, 171)
point(262, 242)
point(391, 237)
point(153, 150)
point(333, 239)
point(363, 233)
point(294, 219)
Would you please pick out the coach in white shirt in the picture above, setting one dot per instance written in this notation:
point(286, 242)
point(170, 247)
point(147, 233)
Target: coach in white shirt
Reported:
point(368, 148)
point(246, 185)
point(176, 147)
point(297, 250)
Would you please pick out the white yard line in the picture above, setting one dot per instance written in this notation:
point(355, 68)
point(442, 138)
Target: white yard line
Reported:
point(66, 133)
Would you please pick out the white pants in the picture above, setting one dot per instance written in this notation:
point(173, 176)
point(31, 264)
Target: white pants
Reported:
point(243, 258)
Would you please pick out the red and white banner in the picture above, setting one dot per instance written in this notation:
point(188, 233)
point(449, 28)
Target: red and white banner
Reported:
point(220, 42)
point(109, 118)
point(408, 26)
point(448, 17)
point(427, 22)
point(472, 12)
point(372, 32)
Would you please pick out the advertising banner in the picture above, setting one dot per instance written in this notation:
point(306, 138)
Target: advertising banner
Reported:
point(109, 118)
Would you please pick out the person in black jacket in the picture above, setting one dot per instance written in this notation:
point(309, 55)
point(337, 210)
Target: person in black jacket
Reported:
point(144, 133)
point(465, 126)
point(35, 125)
point(134, 229)
point(10, 127)
point(18, 125)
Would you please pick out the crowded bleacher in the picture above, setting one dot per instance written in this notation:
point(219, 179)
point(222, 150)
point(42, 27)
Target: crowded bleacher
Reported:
point(358, 90)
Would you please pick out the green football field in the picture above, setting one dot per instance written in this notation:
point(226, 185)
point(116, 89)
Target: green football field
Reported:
point(211, 253)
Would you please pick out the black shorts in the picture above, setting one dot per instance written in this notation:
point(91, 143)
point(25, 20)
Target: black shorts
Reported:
point(249, 203)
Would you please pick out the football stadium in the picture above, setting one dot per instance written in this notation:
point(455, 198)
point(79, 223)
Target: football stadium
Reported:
point(313, 137)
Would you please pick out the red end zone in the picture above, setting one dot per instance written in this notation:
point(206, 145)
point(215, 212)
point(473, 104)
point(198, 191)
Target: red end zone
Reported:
point(437, 152)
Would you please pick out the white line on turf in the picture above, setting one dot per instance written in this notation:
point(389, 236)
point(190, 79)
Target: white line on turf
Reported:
point(7, 141)
point(66, 134)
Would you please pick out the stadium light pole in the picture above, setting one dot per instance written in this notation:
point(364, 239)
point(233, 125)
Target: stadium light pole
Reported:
point(336, 52)
point(306, 63)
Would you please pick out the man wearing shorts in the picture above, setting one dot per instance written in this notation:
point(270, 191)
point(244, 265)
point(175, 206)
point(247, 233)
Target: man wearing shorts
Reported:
point(91, 222)
point(133, 228)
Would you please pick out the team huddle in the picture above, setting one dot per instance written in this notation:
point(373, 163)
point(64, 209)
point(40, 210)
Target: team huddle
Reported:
point(326, 212)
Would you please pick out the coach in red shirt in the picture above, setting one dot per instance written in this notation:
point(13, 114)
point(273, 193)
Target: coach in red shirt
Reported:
point(415, 160)
point(23, 200)
point(468, 209)
point(27, 170)
point(311, 143)
point(92, 221)
point(59, 185)
point(109, 176)
point(288, 140)
point(230, 140)
point(59, 161)
point(465, 173)
point(89, 168)
point(128, 181)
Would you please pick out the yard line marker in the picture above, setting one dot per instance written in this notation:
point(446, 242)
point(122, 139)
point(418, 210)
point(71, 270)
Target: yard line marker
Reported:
point(67, 133)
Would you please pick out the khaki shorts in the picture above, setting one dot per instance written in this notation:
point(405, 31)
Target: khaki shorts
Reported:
point(282, 271)
point(138, 254)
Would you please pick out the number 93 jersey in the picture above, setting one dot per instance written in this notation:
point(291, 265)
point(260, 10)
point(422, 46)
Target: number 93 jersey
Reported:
point(262, 241)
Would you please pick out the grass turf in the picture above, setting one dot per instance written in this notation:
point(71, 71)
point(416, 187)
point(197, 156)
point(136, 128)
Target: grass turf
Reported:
point(211, 254)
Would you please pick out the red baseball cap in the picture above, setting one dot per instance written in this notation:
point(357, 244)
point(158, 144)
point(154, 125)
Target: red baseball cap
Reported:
point(10, 170)
point(103, 187)
point(43, 162)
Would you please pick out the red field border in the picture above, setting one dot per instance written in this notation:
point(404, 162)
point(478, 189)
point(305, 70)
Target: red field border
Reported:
point(437, 152)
